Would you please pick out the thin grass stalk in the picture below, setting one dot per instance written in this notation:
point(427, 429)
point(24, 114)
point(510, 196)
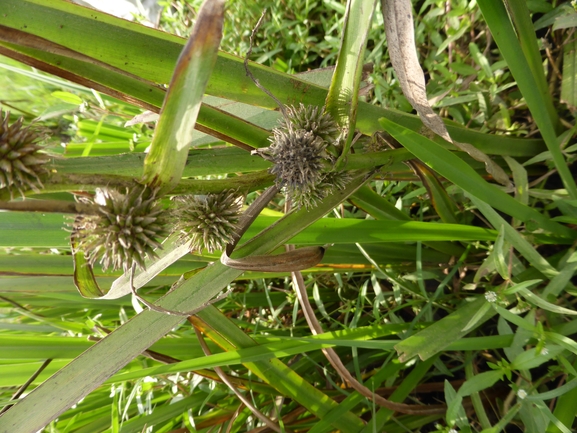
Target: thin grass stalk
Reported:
point(497, 18)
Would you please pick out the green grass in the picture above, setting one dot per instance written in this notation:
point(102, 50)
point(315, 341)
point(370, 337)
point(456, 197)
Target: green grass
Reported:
point(437, 290)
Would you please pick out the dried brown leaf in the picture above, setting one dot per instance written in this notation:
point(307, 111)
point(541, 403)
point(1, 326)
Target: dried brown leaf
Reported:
point(399, 28)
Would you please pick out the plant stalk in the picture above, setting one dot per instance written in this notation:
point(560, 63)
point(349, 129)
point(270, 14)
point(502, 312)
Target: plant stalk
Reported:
point(51, 206)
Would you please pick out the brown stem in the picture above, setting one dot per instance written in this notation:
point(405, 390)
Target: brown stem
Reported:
point(270, 423)
point(335, 361)
point(249, 73)
point(26, 384)
point(338, 365)
point(51, 206)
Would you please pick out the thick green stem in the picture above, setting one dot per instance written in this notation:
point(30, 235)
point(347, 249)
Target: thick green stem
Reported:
point(56, 206)
point(65, 182)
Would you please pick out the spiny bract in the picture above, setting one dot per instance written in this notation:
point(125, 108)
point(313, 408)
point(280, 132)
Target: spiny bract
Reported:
point(127, 229)
point(207, 221)
point(20, 162)
point(310, 196)
point(299, 152)
point(312, 119)
point(298, 157)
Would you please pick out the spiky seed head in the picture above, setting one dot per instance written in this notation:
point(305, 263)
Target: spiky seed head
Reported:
point(207, 221)
point(336, 180)
point(128, 228)
point(297, 156)
point(307, 197)
point(310, 196)
point(312, 119)
point(299, 152)
point(21, 163)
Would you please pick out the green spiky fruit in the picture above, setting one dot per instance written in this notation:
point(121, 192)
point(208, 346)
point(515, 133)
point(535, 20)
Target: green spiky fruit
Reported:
point(336, 179)
point(128, 228)
point(21, 163)
point(310, 196)
point(297, 156)
point(207, 221)
point(312, 119)
point(300, 152)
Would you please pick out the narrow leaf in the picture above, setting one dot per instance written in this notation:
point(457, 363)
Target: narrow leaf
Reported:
point(531, 358)
point(524, 61)
point(513, 318)
point(442, 202)
point(84, 279)
point(343, 96)
point(561, 340)
point(455, 411)
point(459, 172)
point(552, 418)
point(558, 283)
point(520, 178)
point(399, 28)
point(478, 316)
point(541, 303)
point(441, 334)
point(500, 248)
point(569, 83)
point(173, 136)
point(480, 382)
point(172, 250)
point(520, 286)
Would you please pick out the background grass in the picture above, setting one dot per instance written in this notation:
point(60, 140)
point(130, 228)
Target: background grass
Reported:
point(520, 358)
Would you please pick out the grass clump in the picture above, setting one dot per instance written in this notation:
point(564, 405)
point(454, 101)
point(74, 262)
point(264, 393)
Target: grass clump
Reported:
point(451, 300)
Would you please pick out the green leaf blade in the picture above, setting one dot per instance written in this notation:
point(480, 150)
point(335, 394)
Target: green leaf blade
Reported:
point(173, 136)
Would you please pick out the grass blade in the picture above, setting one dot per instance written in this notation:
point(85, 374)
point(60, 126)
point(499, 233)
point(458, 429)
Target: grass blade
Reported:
point(173, 135)
point(516, 239)
point(461, 174)
point(518, 45)
point(342, 99)
point(438, 336)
